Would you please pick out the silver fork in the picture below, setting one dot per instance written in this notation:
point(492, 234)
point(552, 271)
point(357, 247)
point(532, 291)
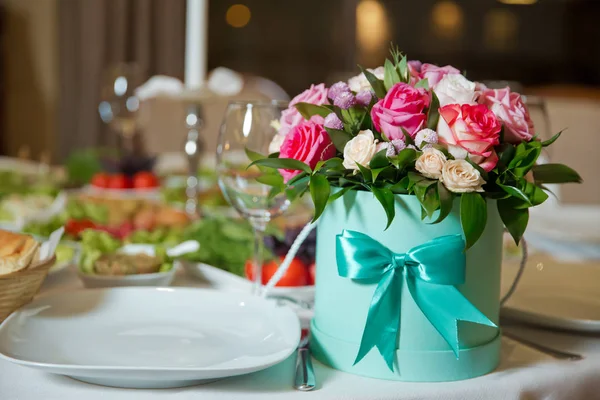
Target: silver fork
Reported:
point(305, 374)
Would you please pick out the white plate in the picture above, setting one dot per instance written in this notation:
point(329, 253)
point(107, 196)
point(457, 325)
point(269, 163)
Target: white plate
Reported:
point(148, 194)
point(221, 279)
point(567, 232)
point(149, 337)
point(555, 294)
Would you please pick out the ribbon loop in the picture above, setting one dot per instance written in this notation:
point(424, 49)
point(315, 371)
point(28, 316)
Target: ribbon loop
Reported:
point(433, 268)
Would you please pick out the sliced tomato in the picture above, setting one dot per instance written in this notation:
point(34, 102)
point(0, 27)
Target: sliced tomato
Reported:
point(294, 276)
point(101, 180)
point(119, 181)
point(145, 180)
point(74, 227)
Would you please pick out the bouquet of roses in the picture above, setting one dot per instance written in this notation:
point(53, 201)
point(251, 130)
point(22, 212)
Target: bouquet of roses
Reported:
point(419, 129)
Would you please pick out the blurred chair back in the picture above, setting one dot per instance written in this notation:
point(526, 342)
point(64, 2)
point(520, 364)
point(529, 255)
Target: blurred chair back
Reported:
point(576, 110)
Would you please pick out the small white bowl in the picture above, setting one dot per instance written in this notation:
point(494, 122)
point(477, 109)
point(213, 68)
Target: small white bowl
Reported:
point(154, 279)
point(103, 281)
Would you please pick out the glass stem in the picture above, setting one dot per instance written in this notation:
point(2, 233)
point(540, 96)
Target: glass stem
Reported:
point(259, 233)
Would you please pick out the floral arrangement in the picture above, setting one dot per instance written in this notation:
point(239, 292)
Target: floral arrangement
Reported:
point(419, 129)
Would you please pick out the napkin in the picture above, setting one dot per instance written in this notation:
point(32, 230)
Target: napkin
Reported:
point(48, 248)
point(221, 81)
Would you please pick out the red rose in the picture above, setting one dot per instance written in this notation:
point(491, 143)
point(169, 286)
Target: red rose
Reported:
point(307, 142)
point(470, 130)
point(401, 108)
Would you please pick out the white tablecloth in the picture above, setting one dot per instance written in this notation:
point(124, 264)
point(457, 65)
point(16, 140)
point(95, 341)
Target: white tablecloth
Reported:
point(524, 374)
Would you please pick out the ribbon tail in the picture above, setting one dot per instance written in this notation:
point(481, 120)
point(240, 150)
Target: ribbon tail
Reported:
point(383, 320)
point(444, 306)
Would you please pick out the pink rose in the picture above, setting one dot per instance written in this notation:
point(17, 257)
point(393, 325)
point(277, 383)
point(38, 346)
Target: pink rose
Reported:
point(434, 74)
point(470, 130)
point(414, 71)
point(307, 142)
point(290, 117)
point(401, 108)
point(511, 111)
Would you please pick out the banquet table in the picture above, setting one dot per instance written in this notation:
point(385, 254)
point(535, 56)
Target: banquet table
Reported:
point(523, 374)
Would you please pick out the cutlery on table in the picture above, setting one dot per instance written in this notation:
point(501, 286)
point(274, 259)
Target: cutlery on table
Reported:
point(552, 352)
point(305, 374)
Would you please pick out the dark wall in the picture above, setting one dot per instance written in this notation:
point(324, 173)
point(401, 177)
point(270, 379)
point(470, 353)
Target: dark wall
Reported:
point(297, 43)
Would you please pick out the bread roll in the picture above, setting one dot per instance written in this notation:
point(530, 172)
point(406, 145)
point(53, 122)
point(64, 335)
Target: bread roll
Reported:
point(16, 251)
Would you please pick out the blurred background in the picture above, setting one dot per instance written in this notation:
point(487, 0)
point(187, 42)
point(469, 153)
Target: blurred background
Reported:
point(61, 60)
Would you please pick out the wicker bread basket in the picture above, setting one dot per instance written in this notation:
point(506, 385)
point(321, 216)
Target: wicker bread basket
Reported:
point(18, 288)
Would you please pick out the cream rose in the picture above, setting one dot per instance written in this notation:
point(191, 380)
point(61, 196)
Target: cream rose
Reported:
point(461, 177)
point(360, 150)
point(455, 89)
point(430, 163)
point(360, 83)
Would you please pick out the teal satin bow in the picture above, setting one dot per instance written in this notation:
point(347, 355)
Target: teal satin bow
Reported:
point(430, 271)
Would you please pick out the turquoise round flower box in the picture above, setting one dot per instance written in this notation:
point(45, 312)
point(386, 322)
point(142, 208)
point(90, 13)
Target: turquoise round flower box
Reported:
point(421, 353)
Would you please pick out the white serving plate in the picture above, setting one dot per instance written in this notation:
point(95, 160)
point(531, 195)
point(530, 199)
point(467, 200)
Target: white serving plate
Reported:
point(568, 232)
point(148, 194)
point(223, 280)
point(556, 294)
point(149, 337)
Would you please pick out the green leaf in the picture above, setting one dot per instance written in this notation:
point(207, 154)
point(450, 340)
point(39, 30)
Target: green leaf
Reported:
point(400, 187)
point(253, 155)
point(335, 164)
point(295, 179)
point(514, 219)
point(283, 163)
point(473, 217)
point(319, 191)
point(407, 138)
point(298, 188)
point(506, 152)
point(339, 138)
point(307, 110)
point(272, 179)
point(515, 192)
point(386, 198)
point(404, 158)
point(275, 190)
point(433, 115)
point(379, 160)
point(535, 193)
point(376, 84)
point(552, 139)
point(339, 193)
point(366, 173)
point(431, 200)
point(446, 202)
point(403, 69)
point(555, 173)
point(423, 83)
point(391, 76)
point(376, 171)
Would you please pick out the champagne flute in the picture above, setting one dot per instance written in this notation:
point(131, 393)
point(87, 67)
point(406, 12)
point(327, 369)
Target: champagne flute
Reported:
point(249, 125)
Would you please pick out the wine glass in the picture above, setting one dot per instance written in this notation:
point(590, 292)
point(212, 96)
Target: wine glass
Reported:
point(119, 104)
point(249, 125)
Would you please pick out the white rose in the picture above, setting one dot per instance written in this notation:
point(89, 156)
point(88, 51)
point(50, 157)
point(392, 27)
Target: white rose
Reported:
point(360, 83)
point(430, 163)
point(455, 89)
point(276, 143)
point(360, 149)
point(461, 177)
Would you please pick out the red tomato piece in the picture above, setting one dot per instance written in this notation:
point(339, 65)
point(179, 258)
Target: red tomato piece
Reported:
point(145, 180)
point(295, 275)
point(311, 274)
point(101, 180)
point(75, 227)
point(119, 181)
